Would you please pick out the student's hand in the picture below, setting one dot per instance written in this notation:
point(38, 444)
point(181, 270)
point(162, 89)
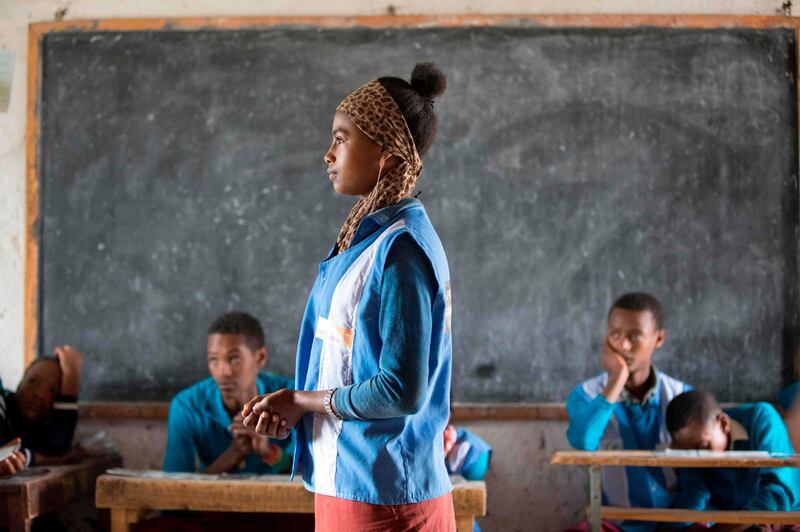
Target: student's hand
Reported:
point(70, 360)
point(273, 415)
point(242, 443)
point(617, 369)
point(14, 463)
point(450, 437)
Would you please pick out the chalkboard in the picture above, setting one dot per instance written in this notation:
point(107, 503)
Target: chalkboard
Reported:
point(181, 176)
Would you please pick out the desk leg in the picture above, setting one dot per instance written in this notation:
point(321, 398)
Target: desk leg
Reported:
point(17, 512)
point(595, 499)
point(122, 519)
point(464, 523)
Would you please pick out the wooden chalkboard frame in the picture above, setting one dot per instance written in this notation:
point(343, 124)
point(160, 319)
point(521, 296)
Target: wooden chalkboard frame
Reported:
point(36, 32)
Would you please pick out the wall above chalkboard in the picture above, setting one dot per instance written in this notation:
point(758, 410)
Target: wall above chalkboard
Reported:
point(179, 175)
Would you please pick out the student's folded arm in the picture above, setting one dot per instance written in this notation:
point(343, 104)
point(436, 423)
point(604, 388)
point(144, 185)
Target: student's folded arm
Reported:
point(692, 495)
point(778, 489)
point(61, 425)
point(588, 419)
point(7, 433)
point(181, 449)
point(405, 323)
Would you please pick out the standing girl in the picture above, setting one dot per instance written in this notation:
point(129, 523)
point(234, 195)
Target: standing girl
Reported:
point(375, 350)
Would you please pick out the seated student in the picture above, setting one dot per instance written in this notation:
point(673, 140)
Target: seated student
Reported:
point(696, 421)
point(204, 422)
point(43, 411)
point(465, 453)
point(623, 408)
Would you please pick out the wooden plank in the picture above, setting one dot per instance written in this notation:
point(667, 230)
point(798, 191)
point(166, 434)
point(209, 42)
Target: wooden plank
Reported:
point(415, 21)
point(31, 313)
point(676, 515)
point(123, 410)
point(654, 459)
point(27, 496)
point(233, 495)
point(469, 498)
point(464, 523)
point(268, 494)
point(509, 412)
point(15, 510)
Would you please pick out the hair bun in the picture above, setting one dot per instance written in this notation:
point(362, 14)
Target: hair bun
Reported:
point(428, 80)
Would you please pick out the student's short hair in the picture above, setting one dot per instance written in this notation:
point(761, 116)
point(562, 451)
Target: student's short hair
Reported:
point(39, 360)
point(240, 323)
point(640, 301)
point(690, 407)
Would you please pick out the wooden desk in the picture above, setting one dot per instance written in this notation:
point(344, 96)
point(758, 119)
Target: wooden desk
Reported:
point(43, 489)
point(596, 460)
point(129, 497)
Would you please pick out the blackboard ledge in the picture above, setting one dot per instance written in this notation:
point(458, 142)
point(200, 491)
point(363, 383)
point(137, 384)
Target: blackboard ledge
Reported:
point(461, 411)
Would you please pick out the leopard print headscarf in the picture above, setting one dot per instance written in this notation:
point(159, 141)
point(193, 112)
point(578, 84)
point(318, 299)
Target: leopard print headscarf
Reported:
point(377, 115)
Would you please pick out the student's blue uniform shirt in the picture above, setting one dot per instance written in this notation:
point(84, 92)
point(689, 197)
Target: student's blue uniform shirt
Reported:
point(197, 429)
point(352, 339)
point(469, 456)
point(787, 396)
point(595, 423)
point(767, 489)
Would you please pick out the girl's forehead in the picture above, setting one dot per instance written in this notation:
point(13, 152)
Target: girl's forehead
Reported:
point(342, 121)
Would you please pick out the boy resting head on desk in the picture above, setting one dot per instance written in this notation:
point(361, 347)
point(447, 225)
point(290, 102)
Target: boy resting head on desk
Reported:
point(696, 421)
point(205, 422)
point(43, 411)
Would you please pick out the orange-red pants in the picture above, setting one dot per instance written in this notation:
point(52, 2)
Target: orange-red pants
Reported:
point(340, 515)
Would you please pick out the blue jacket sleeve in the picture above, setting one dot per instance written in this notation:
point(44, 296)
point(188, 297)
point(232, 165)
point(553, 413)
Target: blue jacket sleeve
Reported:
point(588, 419)
point(408, 290)
point(181, 449)
point(778, 488)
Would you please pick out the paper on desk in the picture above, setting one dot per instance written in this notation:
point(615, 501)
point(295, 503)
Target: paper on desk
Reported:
point(158, 474)
point(714, 454)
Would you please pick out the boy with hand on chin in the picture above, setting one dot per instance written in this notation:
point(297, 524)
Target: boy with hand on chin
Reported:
point(205, 422)
point(624, 407)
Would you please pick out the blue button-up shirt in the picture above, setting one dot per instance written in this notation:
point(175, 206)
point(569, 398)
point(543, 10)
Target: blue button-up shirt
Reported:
point(197, 429)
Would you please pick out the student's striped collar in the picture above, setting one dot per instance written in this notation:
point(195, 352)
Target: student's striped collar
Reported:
point(652, 381)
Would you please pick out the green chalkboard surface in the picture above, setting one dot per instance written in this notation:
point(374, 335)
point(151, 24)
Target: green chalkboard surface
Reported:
point(181, 176)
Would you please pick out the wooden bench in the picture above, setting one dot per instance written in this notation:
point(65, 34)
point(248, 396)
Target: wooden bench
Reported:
point(598, 459)
point(43, 489)
point(130, 497)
